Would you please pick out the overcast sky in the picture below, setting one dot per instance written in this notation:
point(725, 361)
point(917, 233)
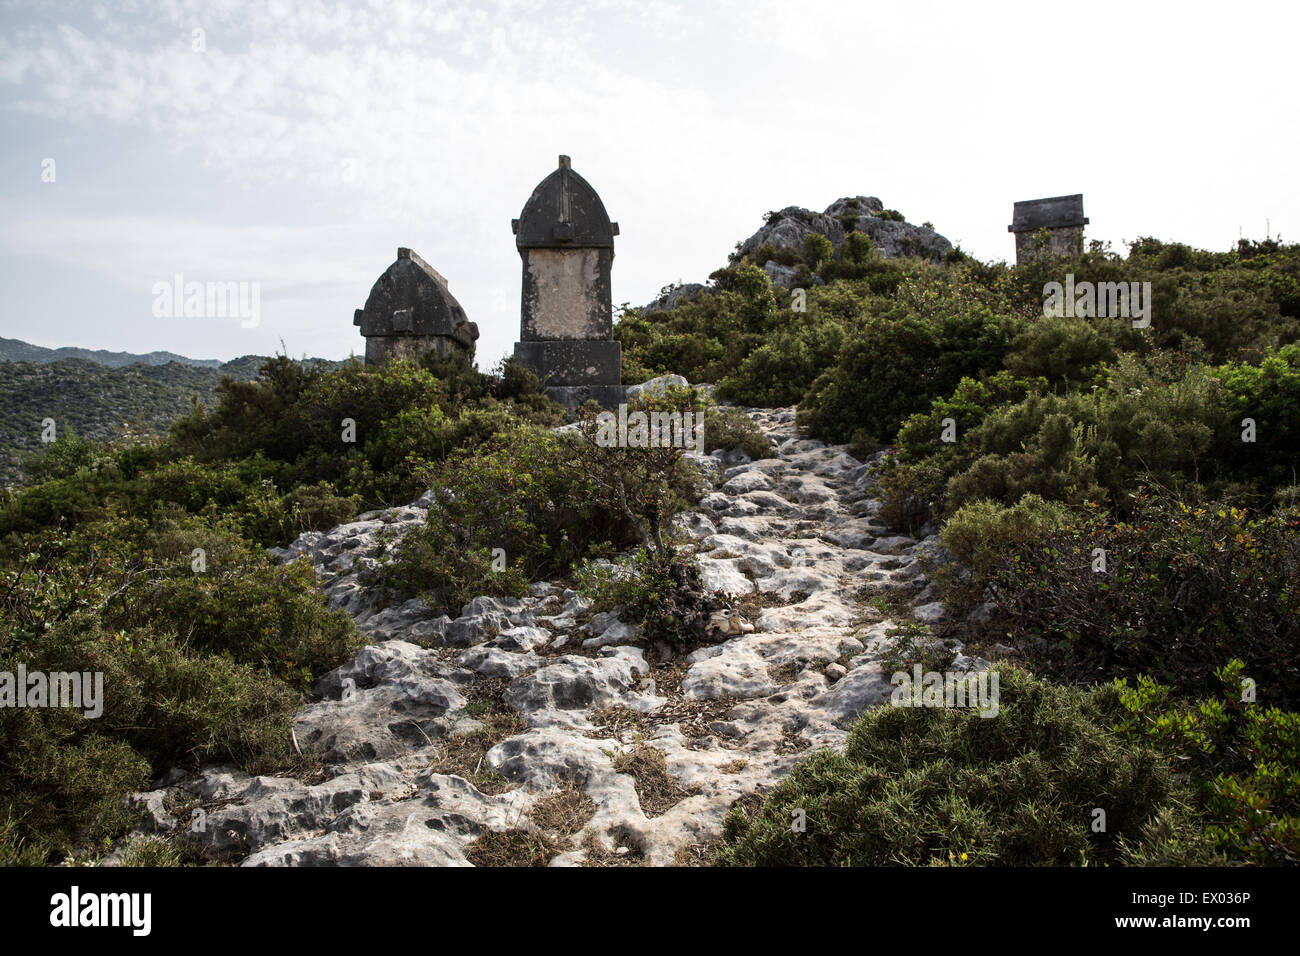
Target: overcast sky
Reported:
point(305, 141)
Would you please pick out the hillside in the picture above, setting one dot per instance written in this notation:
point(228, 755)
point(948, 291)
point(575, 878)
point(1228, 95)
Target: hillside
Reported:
point(927, 503)
point(15, 350)
point(99, 400)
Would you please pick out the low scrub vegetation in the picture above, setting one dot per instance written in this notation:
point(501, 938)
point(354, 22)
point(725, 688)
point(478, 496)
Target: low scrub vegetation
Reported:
point(144, 560)
point(1120, 503)
point(947, 787)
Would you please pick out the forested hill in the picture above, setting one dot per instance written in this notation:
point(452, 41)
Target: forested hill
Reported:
point(16, 350)
point(96, 399)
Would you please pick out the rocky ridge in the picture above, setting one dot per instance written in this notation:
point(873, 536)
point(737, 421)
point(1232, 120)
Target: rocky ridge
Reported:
point(788, 227)
point(443, 730)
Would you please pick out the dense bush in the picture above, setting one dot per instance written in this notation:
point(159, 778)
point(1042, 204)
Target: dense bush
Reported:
point(1180, 425)
point(204, 656)
point(730, 428)
point(705, 339)
point(1243, 757)
point(526, 493)
point(66, 775)
point(983, 534)
point(901, 360)
point(661, 593)
point(362, 428)
point(1269, 394)
point(144, 561)
point(780, 371)
point(1186, 588)
point(1064, 351)
point(945, 786)
point(242, 605)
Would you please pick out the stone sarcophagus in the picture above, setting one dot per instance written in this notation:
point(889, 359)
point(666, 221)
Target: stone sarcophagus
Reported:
point(409, 311)
point(1061, 216)
point(566, 241)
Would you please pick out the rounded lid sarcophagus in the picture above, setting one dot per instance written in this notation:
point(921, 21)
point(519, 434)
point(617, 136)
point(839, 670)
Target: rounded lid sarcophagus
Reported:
point(564, 211)
point(411, 300)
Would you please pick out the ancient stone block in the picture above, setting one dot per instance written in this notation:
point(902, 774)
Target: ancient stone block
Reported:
point(410, 311)
point(567, 294)
point(566, 242)
point(1061, 216)
point(574, 362)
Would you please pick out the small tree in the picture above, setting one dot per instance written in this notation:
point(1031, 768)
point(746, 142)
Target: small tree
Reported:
point(817, 249)
point(647, 479)
point(650, 482)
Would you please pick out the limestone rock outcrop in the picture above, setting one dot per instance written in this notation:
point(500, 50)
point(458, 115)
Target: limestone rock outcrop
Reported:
point(447, 728)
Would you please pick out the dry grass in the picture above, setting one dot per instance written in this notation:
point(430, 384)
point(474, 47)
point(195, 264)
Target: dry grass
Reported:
point(462, 754)
point(612, 721)
point(657, 789)
point(564, 812)
point(552, 822)
point(696, 854)
point(733, 766)
point(783, 675)
point(596, 855)
point(750, 605)
point(513, 848)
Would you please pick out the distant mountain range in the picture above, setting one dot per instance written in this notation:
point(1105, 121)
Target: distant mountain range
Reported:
point(100, 394)
point(15, 350)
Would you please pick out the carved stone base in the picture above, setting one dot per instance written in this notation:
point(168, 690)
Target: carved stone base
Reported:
point(573, 396)
point(573, 362)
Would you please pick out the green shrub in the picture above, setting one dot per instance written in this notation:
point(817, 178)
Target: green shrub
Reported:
point(907, 493)
point(1268, 393)
point(66, 775)
point(1243, 757)
point(525, 493)
point(729, 428)
point(983, 535)
point(1064, 351)
point(403, 417)
point(816, 250)
point(243, 605)
point(1082, 447)
point(1186, 588)
point(945, 786)
point(648, 485)
point(150, 851)
point(547, 500)
point(968, 405)
point(899, 362)
point(780, 371)
point(659, 592)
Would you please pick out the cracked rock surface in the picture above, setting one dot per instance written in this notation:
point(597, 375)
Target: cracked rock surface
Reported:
point(445, 729)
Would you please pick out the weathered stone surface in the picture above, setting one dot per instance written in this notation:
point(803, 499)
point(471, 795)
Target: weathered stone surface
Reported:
point(573, 363)
point(655, 386)
point(571, 683)
point(689, 292)
point(566, 242)
point(411, 310)
point(520, 638)
point(730, 719)
point(788, 229)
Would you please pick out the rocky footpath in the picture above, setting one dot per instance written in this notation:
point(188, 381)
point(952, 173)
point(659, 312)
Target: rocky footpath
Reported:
point(535, 723)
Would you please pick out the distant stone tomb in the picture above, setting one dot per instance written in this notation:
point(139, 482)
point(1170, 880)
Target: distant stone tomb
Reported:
point(411, 311)
point(566, 241)
point(1061, 216)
